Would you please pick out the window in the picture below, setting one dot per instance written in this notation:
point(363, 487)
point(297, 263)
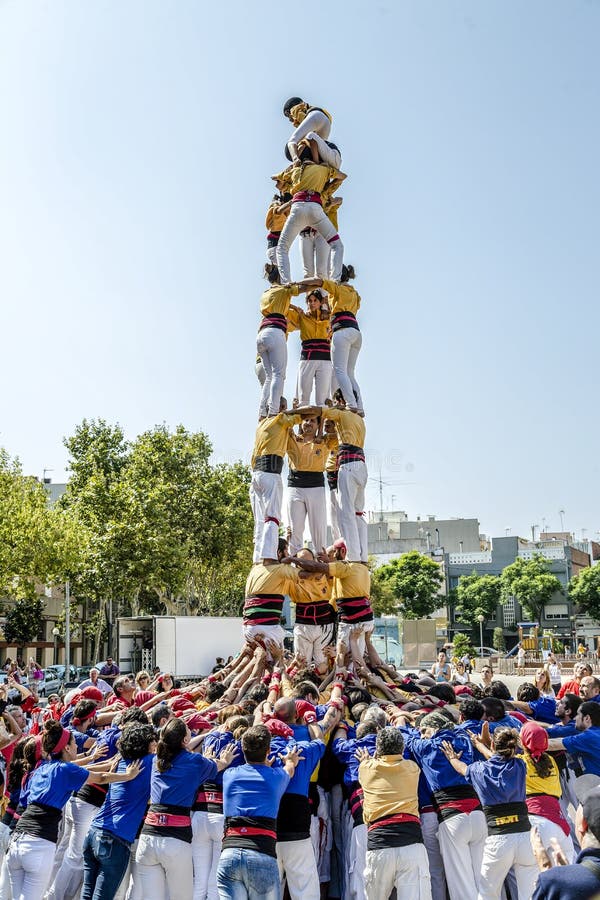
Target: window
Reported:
point(556, 611)
point(508, 612)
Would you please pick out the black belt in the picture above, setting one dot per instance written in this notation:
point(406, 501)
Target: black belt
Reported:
point(270, 463)
point(305, 479)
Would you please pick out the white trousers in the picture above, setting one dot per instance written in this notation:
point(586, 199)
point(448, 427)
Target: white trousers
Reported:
point(271, 632)
point(320, 835)
point(315, 372)
point(303, 503)
point(68, 877)
point(297, 864)
point(345, 629)
point(207, 829)
point(429, 827)
point(334, 514)
point(272, 255)
point(164, 867)
point(403, 868)
point(352, 481)
point(462, 839)
point(345, 347)
point(271, 346)
point(266, 494)
point(29, 861)
point(5, 891)
point(329, 156)
point(503, 852)
point(315, 253)
point(549, 830)
point(310, 642)
point(308, 215)
point(356, 863)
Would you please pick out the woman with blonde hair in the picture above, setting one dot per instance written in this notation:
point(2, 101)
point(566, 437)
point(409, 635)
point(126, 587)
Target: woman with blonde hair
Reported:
point(543, 683)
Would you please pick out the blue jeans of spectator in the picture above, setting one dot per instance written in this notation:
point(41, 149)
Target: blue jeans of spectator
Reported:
point(105, 861)
point(247, 875)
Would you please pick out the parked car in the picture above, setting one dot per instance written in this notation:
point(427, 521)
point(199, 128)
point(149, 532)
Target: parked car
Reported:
point(82, 673)
point(54, 679)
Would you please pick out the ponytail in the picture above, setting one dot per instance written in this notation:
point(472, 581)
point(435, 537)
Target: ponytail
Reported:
point(170, 744)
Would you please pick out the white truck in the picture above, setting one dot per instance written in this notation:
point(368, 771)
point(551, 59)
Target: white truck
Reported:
point(186, 646)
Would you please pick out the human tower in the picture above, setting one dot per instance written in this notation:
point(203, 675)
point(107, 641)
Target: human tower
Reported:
point(326, 584)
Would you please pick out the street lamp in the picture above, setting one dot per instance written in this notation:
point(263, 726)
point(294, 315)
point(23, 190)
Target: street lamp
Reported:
point(480, 619)
point(55, 634)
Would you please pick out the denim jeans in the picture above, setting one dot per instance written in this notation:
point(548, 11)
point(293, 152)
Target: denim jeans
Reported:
point(247, 874)
point(105, 861)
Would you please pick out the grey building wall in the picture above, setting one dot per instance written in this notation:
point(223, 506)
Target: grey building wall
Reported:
point(395, 535)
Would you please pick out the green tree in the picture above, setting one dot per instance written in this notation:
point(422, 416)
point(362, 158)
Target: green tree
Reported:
point(414, 580)
point(23, 621)
point(28, 551)
point(531, 582)
point(462, 645)
point(498, 641)
point(477, 595)
point(383, 601)
point(584, 590)
point(167, 531)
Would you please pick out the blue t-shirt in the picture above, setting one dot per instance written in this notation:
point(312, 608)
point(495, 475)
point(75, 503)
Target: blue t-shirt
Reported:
point(584, 747)
point(428, 753)
point(253, 790)
point(498, 780)
point(562, 731)
point(216, 741)
point(506, 722)
point(311, 752)
point(126, 802)
point(345, 751)
point(52, 783)
point(109, 738)
point(179, 785)
point(544, 710)
point(574, 882)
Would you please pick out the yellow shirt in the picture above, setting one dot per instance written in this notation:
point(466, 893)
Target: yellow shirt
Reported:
point(310, 328)
point(277, 579)
point(306, 456)
point(275, 220)
point(349, 425)
point(343, 297)
point(350, 579)
point(311, 177)
point(389, 785)
point(272, 435)
point(536, 785)
point(314, 589)
point(332, 444)
point(277, 299)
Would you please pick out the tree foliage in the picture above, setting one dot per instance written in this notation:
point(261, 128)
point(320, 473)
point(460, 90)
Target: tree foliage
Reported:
point(23, 621)
point(413, 581)
point(383, 601)
point(584, 590)
point(168, 531)
point(498, 641)
point(462, 645)
point(477, 595)
point(531, 582)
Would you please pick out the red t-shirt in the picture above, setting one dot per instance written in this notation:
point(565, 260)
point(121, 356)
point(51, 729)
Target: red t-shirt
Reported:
point(571, 687)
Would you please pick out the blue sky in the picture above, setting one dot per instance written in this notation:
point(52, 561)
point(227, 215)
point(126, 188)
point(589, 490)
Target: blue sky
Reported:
point(138, 140)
